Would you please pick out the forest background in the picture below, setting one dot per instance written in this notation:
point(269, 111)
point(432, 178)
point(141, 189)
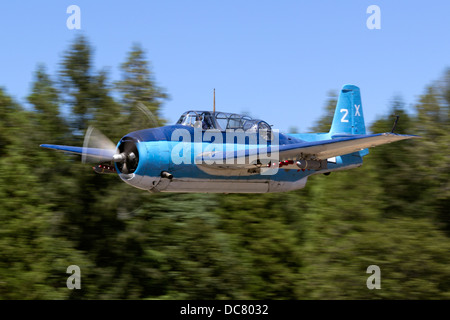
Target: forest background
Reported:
point(313, 243)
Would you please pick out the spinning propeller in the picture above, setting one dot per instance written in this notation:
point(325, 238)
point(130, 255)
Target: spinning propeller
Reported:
point(123, 159)
point(125, 156)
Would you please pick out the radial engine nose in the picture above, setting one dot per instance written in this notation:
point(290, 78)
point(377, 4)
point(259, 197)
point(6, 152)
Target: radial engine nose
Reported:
point(127, 158)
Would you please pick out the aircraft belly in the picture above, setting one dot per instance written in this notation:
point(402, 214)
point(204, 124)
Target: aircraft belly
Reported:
point(231, 186)
point(217, 186)
point(283, 186)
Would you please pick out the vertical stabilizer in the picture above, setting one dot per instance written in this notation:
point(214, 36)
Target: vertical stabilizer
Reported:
point(348, 117)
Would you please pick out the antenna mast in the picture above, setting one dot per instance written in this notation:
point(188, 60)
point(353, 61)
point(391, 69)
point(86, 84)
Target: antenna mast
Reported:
point(214, 101)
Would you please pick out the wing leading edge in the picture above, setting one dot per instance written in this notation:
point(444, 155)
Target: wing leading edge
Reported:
point(97, 153)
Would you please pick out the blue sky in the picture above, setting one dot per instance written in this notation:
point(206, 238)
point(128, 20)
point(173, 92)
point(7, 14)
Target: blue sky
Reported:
point(274, 60)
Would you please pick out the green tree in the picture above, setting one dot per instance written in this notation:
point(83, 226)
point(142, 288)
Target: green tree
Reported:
point(76, 81)
point(266, 232)
point(431, 165)
point(393, 163)
point(138, 88)
point(34, 258)
point(324, 122)
point(94, 220)
point(46, 101)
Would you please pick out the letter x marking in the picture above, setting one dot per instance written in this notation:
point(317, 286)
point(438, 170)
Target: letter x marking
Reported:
point(357, 110)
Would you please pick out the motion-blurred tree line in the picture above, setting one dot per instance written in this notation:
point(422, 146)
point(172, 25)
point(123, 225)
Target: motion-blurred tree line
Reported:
point(314, 243)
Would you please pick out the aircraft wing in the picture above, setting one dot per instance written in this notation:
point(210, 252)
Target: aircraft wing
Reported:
point(100, 155)
point(338, 146)
point(317, 150)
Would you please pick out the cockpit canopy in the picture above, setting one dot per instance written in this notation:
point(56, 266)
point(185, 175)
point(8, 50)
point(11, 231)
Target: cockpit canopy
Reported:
point(221, 121)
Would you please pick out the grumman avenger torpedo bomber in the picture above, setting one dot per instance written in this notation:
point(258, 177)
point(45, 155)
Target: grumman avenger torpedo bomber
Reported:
point(209, 151)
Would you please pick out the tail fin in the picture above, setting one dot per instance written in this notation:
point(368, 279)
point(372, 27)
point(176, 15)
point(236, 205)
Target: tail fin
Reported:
point(348, 117)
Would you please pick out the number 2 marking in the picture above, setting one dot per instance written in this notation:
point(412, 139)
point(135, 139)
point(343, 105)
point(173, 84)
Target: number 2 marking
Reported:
point(343, 119)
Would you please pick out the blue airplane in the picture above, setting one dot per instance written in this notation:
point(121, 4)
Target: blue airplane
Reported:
point(218, 152)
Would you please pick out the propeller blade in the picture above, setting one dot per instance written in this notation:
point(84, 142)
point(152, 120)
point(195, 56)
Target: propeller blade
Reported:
point(95, 139)
point(149, 116)
point(125, 168)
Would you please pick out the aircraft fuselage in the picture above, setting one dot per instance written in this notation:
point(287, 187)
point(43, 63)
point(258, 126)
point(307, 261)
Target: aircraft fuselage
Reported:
point(174, 150)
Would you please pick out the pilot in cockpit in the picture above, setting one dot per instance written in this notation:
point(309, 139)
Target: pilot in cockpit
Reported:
point(198, 122)
point(203, 122)
point(207, 123)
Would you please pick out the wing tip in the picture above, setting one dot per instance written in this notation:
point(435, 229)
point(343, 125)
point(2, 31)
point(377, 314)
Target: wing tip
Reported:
point(404, 136)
